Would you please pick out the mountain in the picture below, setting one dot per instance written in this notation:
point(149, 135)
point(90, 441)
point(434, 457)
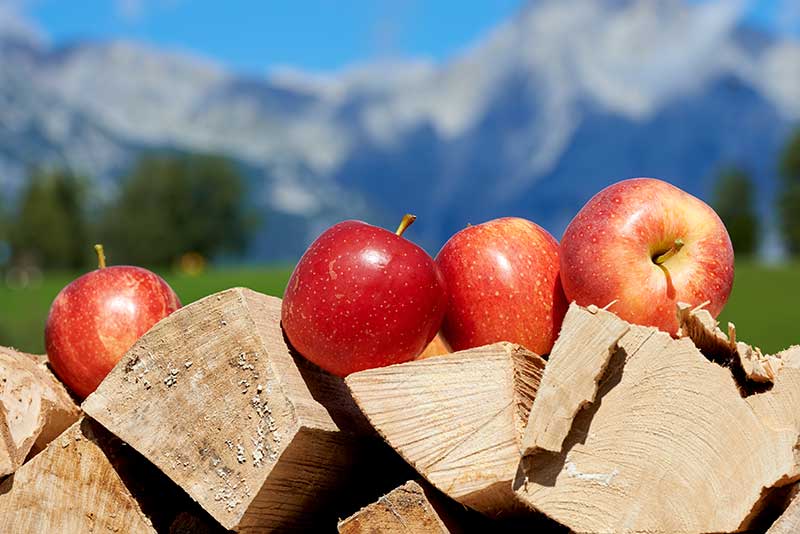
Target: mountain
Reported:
point(559, 101)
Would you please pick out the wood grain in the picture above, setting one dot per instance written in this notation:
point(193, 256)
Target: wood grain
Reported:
point(71, 488)
point(457, 418)
point(214, 397)
point(34, 407)
point(407, 509)
point(669, 445)
point(580, 355)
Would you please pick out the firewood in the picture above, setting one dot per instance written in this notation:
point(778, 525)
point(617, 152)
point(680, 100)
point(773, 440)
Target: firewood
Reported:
point(436, 347)
point(748, 363)
point(214, 397)
point(410, 508)
point(668, 445)
point(34, 408)
point(457, 418)
point(71, 488)
point(581, 357)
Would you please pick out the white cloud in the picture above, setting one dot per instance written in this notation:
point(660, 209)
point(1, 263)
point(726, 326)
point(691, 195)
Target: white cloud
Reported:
point(14, 22)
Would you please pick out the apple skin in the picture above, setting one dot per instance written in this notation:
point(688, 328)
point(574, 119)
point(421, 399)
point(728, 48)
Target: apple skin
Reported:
point(96, 318)
point(502, 278)
point(362, 297)
point(608, 251)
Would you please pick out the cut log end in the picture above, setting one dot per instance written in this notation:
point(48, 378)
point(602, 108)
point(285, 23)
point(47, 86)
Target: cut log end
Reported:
point(665, 440)
point(406, 509)
point(457, 418)
point(213, 396)
point(71, 487)
point(34, 408)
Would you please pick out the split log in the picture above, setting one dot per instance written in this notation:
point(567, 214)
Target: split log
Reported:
point(457, 419)
point(34, 408)
point(411, 508)
point(213, 396)
point(580, 358)
point(747, 363)
point(668, 445)
point(71, 488)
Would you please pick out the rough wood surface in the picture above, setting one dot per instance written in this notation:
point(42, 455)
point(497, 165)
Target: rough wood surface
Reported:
point(669, 445)
point(580, 355)
point(71, 488)
point(213, 396)
point(747, 363)
point(436, 347)
point(34, 407)
point(408, 509)
point(457, 418)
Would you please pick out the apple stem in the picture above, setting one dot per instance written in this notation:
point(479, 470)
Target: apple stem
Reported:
point(101, 256)
point(408, 219)
point(674, 249)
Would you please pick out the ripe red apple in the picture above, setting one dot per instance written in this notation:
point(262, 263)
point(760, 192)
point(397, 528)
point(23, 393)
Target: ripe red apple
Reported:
point(363, 297)
point(502, 278)
point(647, 245)
point(96, 318)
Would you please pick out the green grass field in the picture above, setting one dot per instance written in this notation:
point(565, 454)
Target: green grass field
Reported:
point(765, 304)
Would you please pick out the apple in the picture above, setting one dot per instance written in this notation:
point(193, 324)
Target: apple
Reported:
point(503, 285)
point(95, 319)
point(363, 297)
point(646, 245)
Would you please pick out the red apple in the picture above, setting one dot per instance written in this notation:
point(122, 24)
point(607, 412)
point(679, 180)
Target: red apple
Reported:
point(647, 245)
point(362, 297)
point(502, 278)
point(96, 318)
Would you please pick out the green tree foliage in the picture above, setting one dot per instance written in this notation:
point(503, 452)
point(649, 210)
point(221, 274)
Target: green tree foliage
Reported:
point(50, 229)
point(175, 204)
point(789, 194)
point(734, 201)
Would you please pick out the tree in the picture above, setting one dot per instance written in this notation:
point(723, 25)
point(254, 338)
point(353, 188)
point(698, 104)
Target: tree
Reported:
point(789, 194)
point(171, 205)
point(734, 201)
point(50, 228)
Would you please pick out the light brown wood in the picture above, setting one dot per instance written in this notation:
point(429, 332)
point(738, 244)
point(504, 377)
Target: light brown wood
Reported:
point(71, 488)
point(457, 418)
point(213, 396)
point(436, 347)
point(579, 357)
point(668, 446)
point(747, 363)
point(34, 408)
point(407, 509)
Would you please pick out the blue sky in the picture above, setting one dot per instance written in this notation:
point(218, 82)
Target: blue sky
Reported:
point(320, 35)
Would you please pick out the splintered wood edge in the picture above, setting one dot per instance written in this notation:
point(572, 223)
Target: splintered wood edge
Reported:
point(747, 363)
point(407, 508)
point(71, 487)
point(38, 407)
point(452, 421)
point(579, 358)
point(599, 481)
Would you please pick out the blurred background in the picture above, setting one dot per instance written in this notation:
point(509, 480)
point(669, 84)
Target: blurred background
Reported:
point(214, 141)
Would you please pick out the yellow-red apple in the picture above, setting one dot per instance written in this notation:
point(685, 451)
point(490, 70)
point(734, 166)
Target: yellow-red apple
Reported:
point(96, 318)
point(646, 245)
